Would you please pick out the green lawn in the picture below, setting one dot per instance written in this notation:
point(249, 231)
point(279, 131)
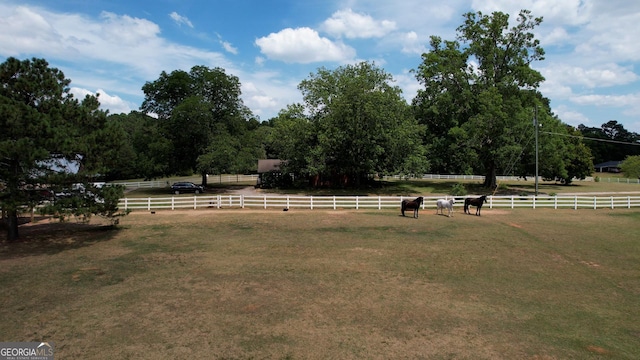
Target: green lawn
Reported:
point(314, 284)
point(426, 187)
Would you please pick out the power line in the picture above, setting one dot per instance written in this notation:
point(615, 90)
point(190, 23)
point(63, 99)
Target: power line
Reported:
point(590, 138)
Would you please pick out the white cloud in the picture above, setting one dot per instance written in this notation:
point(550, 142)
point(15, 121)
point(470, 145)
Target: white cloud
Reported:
point(589, 67)
point(604, 75)
point(265, 93)
point(607, 100)
point(567, 12)
point(408, 83)
point(412, 44)
point(114, 104)
point(608, 37)
point(227, 45)
point(229, 48)
point(117, 44)
point(572, 117)
point(179, 19)
point(555, 90)
point(556, 36)
point(425, 17)
point(303, 45)
point(353, 25)
point(124, 29)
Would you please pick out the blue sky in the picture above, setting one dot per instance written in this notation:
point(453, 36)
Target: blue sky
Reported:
point(113, 47)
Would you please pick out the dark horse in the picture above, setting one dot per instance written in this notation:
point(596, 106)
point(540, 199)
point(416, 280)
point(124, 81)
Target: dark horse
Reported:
point(477, 202)
point(412, 204)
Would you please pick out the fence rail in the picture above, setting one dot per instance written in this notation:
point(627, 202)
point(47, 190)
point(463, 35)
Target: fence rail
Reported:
point(368, 202)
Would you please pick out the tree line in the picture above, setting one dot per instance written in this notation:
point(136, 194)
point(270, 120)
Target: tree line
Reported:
point(473, 114)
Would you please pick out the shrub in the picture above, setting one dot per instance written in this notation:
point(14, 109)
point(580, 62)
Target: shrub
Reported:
point(458, 190)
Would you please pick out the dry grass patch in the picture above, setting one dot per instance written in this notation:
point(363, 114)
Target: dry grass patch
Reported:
point(313, 284)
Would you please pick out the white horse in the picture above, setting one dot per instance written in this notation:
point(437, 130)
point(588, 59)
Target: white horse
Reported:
point(445, 204)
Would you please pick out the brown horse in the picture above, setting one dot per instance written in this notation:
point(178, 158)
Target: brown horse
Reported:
point(477, 202)
point(412, 205)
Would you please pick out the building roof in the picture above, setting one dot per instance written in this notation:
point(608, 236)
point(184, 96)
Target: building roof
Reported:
point(267, 165)
point(608, 164)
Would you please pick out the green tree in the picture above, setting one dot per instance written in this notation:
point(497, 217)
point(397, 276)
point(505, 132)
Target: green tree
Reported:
point(444, 104)
point(631, 167)
point(578, 160)
point(551, 150)
point(44, 130)
point(190, 107)
point(481, 93)
point(229, 154)
point(362, 124)
point(293, 138)
point(610, 142)
point(146, 152)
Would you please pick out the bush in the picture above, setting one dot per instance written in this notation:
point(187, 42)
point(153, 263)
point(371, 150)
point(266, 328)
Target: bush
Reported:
point(458, 190)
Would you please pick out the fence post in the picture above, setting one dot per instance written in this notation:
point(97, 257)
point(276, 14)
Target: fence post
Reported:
point(126, 202)
point(512, 202)
point(219, 201)
point(195, 202)
point(612, 202)
point(595, 201)
point(287, 201)
point(334, 202)
point(149, 203)
point(555, 202)
point(311, 201)
point(357, 198)
point(379, 203)
point(628, 202)
point(265, 201)
point(534, 202)
point(575, 202)
point(173, 201)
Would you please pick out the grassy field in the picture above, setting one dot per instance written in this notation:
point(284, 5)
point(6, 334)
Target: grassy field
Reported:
point(425, 187)
point(312, 284)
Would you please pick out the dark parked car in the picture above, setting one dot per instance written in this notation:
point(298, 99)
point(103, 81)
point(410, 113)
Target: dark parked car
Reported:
point(186, 187)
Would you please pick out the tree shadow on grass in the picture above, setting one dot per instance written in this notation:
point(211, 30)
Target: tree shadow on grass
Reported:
point(211, 189)
point(47, 237)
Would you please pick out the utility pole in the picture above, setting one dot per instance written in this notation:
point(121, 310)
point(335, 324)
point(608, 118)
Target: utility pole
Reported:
point(535, 123)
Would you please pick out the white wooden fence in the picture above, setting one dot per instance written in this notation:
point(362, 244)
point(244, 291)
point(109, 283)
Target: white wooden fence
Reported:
point(368, 202)
point(211, 179)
